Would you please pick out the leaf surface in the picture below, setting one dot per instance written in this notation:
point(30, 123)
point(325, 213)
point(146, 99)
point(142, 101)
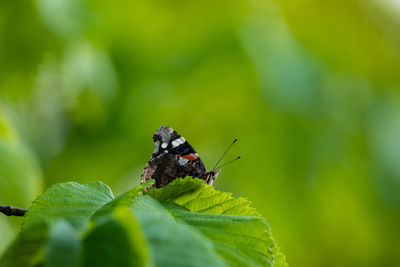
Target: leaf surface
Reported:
point(239, 234)
point(70, 201)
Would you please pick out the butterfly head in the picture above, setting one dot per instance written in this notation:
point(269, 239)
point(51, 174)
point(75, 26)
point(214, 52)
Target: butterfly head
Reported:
point(210, 176)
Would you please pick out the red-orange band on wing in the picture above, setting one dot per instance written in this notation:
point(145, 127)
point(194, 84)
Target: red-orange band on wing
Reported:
point(189, 157)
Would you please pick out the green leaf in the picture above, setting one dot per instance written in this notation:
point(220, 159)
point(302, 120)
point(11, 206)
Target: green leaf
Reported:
point(279, 258)
point(57, 245)
point(71, 201)
point(63, 247)
point(172, 243)
point(115, 240)
point(194, 196)
point(182, 224)
point(242, 240)
point(124, 200)
point(28, 248)
point(236, 229)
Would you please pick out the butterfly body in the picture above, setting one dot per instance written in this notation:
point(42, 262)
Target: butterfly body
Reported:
point(173, 158)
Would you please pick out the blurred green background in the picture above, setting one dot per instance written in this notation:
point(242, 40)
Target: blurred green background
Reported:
point(311, 88)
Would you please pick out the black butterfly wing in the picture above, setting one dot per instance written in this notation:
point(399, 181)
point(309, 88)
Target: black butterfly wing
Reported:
point(173, 157)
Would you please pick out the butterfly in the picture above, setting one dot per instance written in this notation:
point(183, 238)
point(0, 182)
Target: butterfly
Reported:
point(174, 157)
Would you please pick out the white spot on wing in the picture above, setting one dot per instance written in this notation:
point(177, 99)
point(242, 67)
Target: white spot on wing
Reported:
point(178, 141)
point(175, 143)
point(164, 145)
point(157, 145)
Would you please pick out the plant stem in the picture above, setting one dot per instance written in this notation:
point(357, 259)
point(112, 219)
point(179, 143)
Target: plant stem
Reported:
point(12, 211)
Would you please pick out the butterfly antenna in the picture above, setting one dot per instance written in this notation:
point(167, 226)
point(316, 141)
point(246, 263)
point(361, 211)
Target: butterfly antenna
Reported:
point(229, 162)
point(223, 155)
